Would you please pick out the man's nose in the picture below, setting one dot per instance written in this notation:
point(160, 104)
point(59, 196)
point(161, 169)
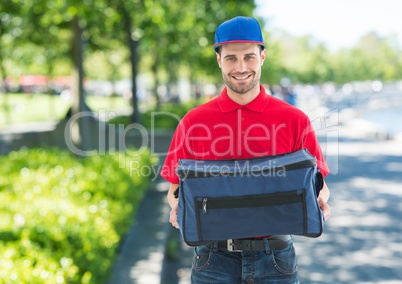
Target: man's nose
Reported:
point(241, 66)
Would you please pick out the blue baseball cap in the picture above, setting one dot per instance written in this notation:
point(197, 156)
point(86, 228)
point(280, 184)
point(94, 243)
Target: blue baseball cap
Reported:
point(239, 30)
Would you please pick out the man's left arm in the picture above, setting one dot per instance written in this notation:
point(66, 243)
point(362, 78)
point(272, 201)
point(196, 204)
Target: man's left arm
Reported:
point(323, 197)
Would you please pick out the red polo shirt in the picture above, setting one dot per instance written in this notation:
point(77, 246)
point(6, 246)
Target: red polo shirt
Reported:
point(224, 129)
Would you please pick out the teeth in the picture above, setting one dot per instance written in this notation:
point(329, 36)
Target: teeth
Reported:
point(241, 78)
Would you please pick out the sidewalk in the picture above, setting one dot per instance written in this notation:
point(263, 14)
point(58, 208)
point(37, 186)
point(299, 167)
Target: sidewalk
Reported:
point(362, 242)
point(142, 251)
point(28, 127)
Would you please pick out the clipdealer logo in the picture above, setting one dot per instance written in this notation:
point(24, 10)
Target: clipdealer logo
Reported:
point(112, 139)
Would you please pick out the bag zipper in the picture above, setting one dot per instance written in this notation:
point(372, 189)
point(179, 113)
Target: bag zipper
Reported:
point(258, 200)
point(200, 174)
point(204, 205)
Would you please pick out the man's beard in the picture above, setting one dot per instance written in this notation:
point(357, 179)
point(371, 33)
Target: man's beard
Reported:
point(239, 87)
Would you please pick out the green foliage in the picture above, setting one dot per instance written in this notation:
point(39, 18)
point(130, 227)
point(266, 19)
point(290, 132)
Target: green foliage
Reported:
point(183, 28)
point(174, 40)
point(63, 216)
point(305, 60)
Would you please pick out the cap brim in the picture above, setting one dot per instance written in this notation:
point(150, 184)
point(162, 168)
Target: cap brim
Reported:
point(216, 45)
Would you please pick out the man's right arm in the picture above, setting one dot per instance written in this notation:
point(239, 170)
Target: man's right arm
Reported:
point(174, 203)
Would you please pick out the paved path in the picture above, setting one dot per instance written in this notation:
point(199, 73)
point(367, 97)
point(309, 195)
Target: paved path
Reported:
point(362, 242)
point(142, 251)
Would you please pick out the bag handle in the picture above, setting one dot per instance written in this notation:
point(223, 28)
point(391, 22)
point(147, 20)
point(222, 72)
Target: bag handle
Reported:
point(319, 182)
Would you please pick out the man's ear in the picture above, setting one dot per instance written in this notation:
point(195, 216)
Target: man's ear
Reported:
point(263, 55)
point(218, 59)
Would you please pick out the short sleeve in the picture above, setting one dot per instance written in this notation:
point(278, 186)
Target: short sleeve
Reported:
point(310, 141)
point(177, 150)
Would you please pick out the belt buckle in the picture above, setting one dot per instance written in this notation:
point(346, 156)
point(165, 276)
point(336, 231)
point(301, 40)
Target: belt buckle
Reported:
point(230, 246)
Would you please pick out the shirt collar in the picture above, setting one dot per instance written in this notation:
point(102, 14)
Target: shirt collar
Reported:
point(226, 104)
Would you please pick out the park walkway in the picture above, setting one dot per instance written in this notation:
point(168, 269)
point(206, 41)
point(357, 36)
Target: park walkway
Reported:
point(362, 242)
point(142, 251)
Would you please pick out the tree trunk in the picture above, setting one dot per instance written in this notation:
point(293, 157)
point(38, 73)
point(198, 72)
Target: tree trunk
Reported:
point(133, 45)
point(6, 104)
point(154, 68)
point(79, 131)
point(133, 60)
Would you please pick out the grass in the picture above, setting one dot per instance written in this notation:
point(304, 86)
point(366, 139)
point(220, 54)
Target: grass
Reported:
point(25, 108)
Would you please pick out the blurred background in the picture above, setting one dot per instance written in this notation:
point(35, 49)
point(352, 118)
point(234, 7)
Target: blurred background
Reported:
point(143, 53)
point(90, 92)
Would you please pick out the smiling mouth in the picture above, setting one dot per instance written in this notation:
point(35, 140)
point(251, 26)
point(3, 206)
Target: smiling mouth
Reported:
point(244, 77)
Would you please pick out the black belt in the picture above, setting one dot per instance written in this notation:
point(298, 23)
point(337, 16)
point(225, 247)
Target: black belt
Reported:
point(239, 245)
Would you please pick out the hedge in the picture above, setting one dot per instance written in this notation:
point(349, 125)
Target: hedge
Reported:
point(62, 217)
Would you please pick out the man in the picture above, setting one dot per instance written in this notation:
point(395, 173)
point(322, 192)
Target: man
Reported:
point(243, 122)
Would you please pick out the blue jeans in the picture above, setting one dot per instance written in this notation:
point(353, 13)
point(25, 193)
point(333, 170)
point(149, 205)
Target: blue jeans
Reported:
point(212, 264)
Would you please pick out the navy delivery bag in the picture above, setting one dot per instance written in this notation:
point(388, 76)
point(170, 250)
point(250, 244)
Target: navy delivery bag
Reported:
point(234, 199)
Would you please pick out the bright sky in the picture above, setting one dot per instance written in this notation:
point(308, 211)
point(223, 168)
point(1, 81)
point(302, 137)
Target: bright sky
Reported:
point(338, 23)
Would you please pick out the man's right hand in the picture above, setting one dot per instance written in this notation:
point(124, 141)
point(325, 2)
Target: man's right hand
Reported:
point(174, 204)
point(173, 215)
